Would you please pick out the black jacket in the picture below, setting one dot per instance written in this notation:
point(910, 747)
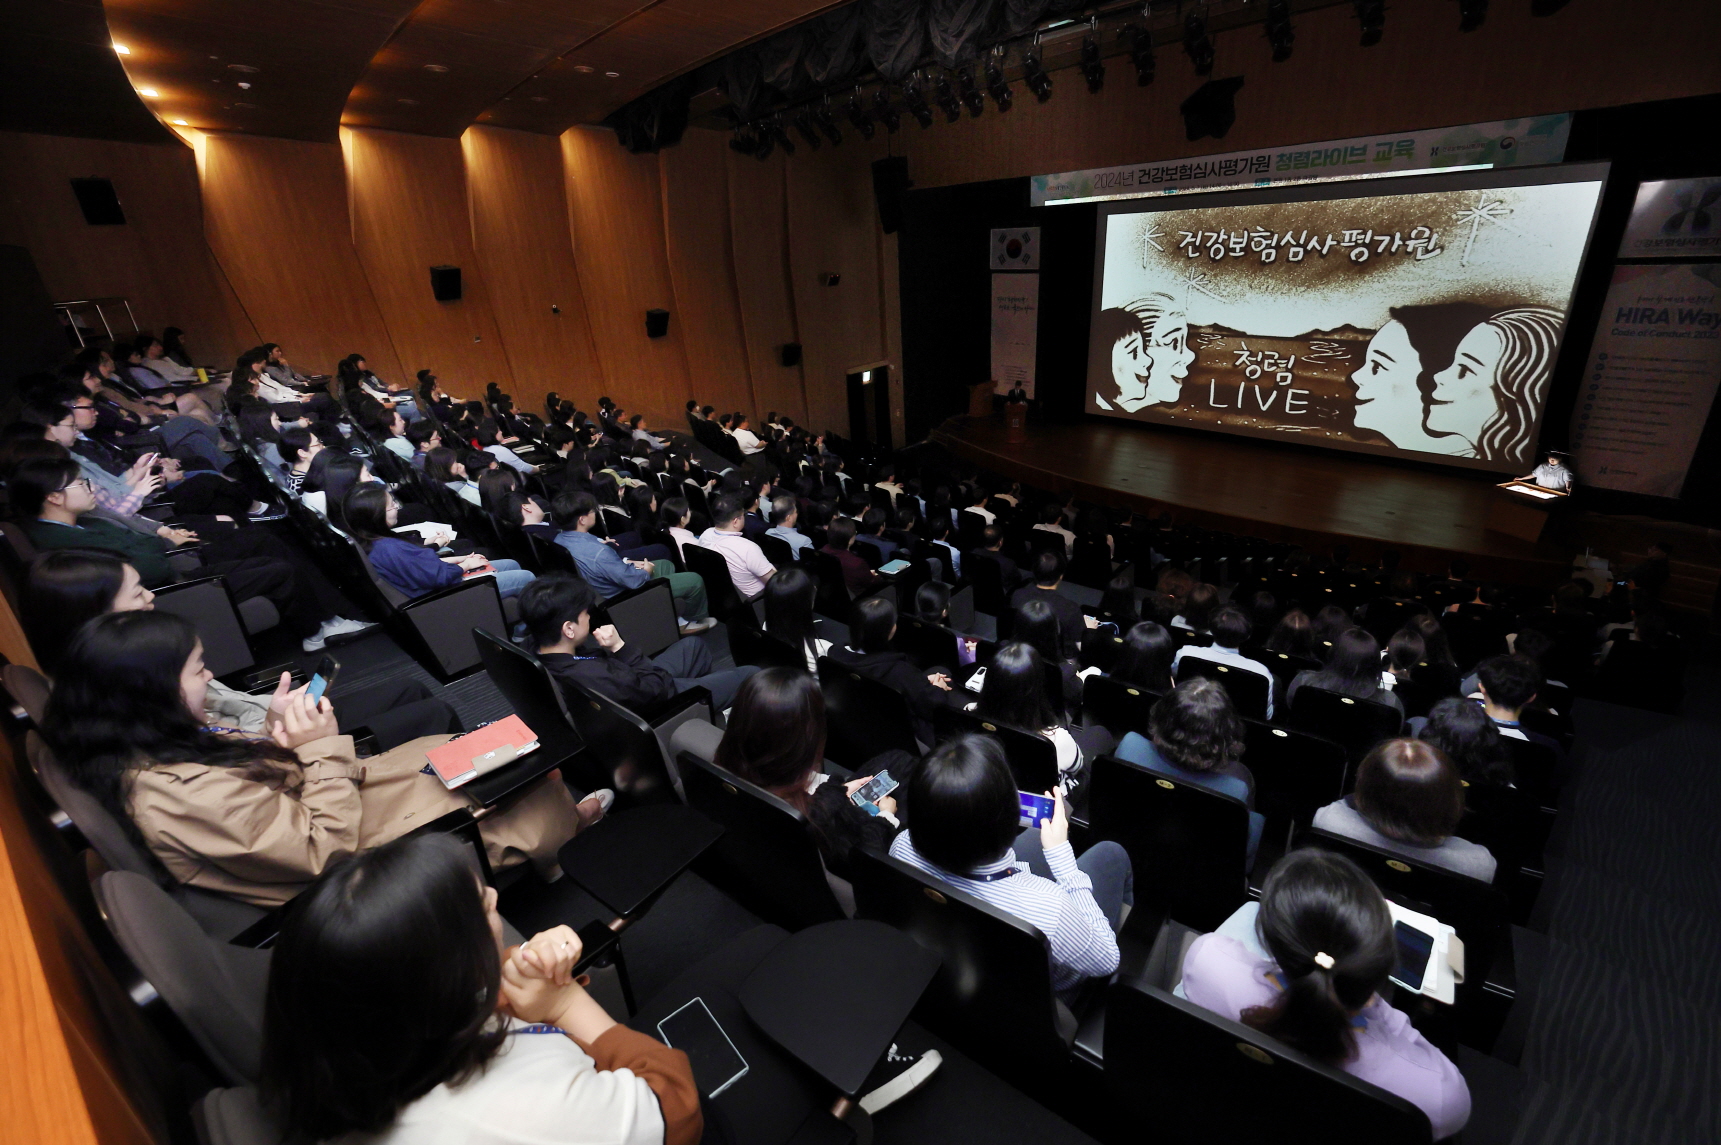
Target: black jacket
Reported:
point(897, 672)
point(1071, 624)
point(626, 677)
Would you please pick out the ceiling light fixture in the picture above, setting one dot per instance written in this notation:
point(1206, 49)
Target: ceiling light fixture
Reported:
point(945, 96)
point(122, 49)
point(182, 123)
point(969, 94)
point(584, 69)
point(858, 116)
point(1371, 15)
point(884, 112)
point(613, 75)
point(1138, 41)
point(996, 85)
point(916, 100)
point(437, 68)
point(1092, 69)
point(1034, 75)
point(1197, 43)
point(1279, 31)
point(149, 93)
point(243, 86)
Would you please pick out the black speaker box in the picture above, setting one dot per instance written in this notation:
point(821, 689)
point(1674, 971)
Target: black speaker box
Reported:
point(445, 283)
point(889, 182)
point(656, 323)
point(790, 353)
point(101, 206)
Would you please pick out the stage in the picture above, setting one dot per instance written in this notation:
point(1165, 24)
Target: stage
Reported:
point(1305, 497)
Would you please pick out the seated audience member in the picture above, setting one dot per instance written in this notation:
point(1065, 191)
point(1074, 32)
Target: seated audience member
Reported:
point(1052, 521)
point(992, 549)
point(1230, 628)
point(1015, 693)
point(1408, 799)
point(1462, 731)
point(789, 598)
point(260, 426)
point(639, 432)
point(858, 577)
point(1293, 635)
point(299, 447)
point(1036, 625)
point(444, 466)
point(932, 603)
point(1263, 613)
point(492, 441)
point(422, 436)
point(673, 516)
point(556, 610)
point(1072, 622)
point(371, 515)
point(607, 571)
point(785, 515)
point(870, 532)
point(251, 817)
point(70, 586)
point(1117, 602)
point(1506, 685)
point(1650, 576)
point(1352, 669)
point(870, 654)
point(776, 740)
point(748, 567)
point(1146, 657)
point(938, 529)
point(745, 437)
point(365, 1037)
point(51, 501)
point(1199, 604)
point(1197, 737)
point(1404, 652)
point(1329, 624)
point(1307, 965)
point(963, 829)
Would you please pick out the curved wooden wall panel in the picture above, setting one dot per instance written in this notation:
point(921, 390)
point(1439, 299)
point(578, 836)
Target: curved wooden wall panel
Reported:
point(521, 239)
point(615, 210)
point(758, 218)
point(702, 266)
point(157, 260)
point(410, 213)
point(275, 213)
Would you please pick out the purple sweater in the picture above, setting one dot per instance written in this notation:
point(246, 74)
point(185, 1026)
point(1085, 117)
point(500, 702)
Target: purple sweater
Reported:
point(1224, 975)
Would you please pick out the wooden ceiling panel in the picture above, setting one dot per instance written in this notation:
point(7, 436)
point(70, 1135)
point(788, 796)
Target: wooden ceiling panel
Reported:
point(539, 23)
point(61, 77)
point(306, 54)
point(397, 91)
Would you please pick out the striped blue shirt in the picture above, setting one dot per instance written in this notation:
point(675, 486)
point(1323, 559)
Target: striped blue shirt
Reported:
point(1081, 940)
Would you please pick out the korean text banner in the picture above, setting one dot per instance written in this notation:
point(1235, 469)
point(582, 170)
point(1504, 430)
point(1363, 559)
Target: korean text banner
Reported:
point(1503, 143)
point(1674, 218)
point(1422, 322)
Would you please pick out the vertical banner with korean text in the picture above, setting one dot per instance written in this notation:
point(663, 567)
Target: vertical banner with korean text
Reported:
point(1015, 330)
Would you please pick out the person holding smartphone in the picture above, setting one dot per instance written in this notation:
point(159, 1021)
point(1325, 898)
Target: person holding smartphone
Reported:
point(1307, 964)
point(964, 821)
point(365, 1034)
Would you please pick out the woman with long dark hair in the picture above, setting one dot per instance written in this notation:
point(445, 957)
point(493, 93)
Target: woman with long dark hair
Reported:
point(1352, 669)
point(1118, 604)
point(1307, 965)
point(255, 817)
point(394, 1012)
point(776, 739)
point(1014, 692)
point(1293, 635)
point(789, 600)
point(371, 516)
point(1145, 658)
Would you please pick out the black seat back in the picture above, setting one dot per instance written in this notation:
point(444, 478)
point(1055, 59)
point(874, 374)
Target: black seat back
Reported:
point(1189, 846)
point(1249, 692)
point(987, 575)
point(720, 595)
point(1296, 773)
point(933, 645)
point(767, 858)
point(537, 699)
point(777, 551)
point(1121, 707)
point(752, 646)
point(863, 717)
point(210, 607)
point(993, 993)
point(645, 616)
point(1355, 724)
point(831, 589)
point(1184, 1073)
point(1032, 757)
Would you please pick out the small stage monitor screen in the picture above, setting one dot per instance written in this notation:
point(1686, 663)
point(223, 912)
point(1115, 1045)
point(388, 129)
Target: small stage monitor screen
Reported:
point(1415, 317)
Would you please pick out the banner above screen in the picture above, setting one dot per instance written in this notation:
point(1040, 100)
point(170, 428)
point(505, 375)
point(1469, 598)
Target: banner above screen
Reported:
point(1503, 143)
point(1416, 317)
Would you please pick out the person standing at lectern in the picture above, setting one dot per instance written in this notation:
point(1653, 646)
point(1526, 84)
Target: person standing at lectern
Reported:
point(1552, 474)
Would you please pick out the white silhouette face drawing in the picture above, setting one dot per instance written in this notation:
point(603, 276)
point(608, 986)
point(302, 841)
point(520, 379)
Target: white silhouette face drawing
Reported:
point(1152, 373)
point(1464, 391)
point(1387, 400)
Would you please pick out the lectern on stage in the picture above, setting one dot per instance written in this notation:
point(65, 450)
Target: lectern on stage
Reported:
point(1521, 509)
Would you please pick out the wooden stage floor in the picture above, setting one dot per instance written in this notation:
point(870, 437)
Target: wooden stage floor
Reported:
point(1314, 499)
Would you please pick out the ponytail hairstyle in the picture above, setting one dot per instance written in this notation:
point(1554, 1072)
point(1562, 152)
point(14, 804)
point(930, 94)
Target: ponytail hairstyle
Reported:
point(1329, 931)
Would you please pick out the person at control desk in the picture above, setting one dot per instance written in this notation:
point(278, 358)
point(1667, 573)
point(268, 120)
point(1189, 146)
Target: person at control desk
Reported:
point(1552, 474)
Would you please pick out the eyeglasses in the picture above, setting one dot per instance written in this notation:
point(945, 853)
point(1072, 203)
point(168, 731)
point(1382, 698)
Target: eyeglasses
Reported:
point(84, 481)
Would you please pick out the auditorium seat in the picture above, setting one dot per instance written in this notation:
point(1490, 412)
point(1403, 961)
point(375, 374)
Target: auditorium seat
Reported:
point(1249, 692)
point(1356, 724)
point(209, 606)
point(644, 617)
point(721, 597)
point(1120, 707)
point(864, 718)
point(777, 551)
point(754, 646)
point(1032, 757)
point(1296, 774)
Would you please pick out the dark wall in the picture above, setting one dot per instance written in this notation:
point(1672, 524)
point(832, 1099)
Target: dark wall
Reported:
point(946, 287)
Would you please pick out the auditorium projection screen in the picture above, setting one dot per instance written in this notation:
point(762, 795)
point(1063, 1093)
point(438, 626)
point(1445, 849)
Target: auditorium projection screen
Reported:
point(1417, 317)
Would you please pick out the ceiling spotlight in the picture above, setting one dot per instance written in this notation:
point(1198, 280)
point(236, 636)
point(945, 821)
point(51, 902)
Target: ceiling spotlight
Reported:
point(745, 141)
point(1471, 14)
point(1546, 7)
point(1371, 15)
point(439, 69)
point(1197, 43)
point(996, 85)
point(1138, 41)
point(1092, 70)
point(613, 75)
point(149, 93)
point(182, 123)
point(858, 116)
point(945, 96)
point(763, 143)
point(122, 49)
point(1035, 76)
point(827, 123)
point(804, 124)
point(885, 113)
point(1279, 31)
point(780, 134)
point(916, 100)
point(584, 69)
point(970, 95)
point(243, 86)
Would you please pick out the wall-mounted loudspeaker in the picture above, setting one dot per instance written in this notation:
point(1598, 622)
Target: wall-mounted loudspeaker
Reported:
point(101, 206)
point(889, 183)
point(656, 323)
point(445, 283)
point(790, 353)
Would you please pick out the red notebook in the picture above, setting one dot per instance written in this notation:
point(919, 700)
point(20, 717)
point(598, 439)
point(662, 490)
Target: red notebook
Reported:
point(465, 758)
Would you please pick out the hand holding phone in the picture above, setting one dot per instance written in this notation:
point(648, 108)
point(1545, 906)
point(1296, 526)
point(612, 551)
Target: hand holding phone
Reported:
point(871, 790)
point(1034, 810)
point(325, 675)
